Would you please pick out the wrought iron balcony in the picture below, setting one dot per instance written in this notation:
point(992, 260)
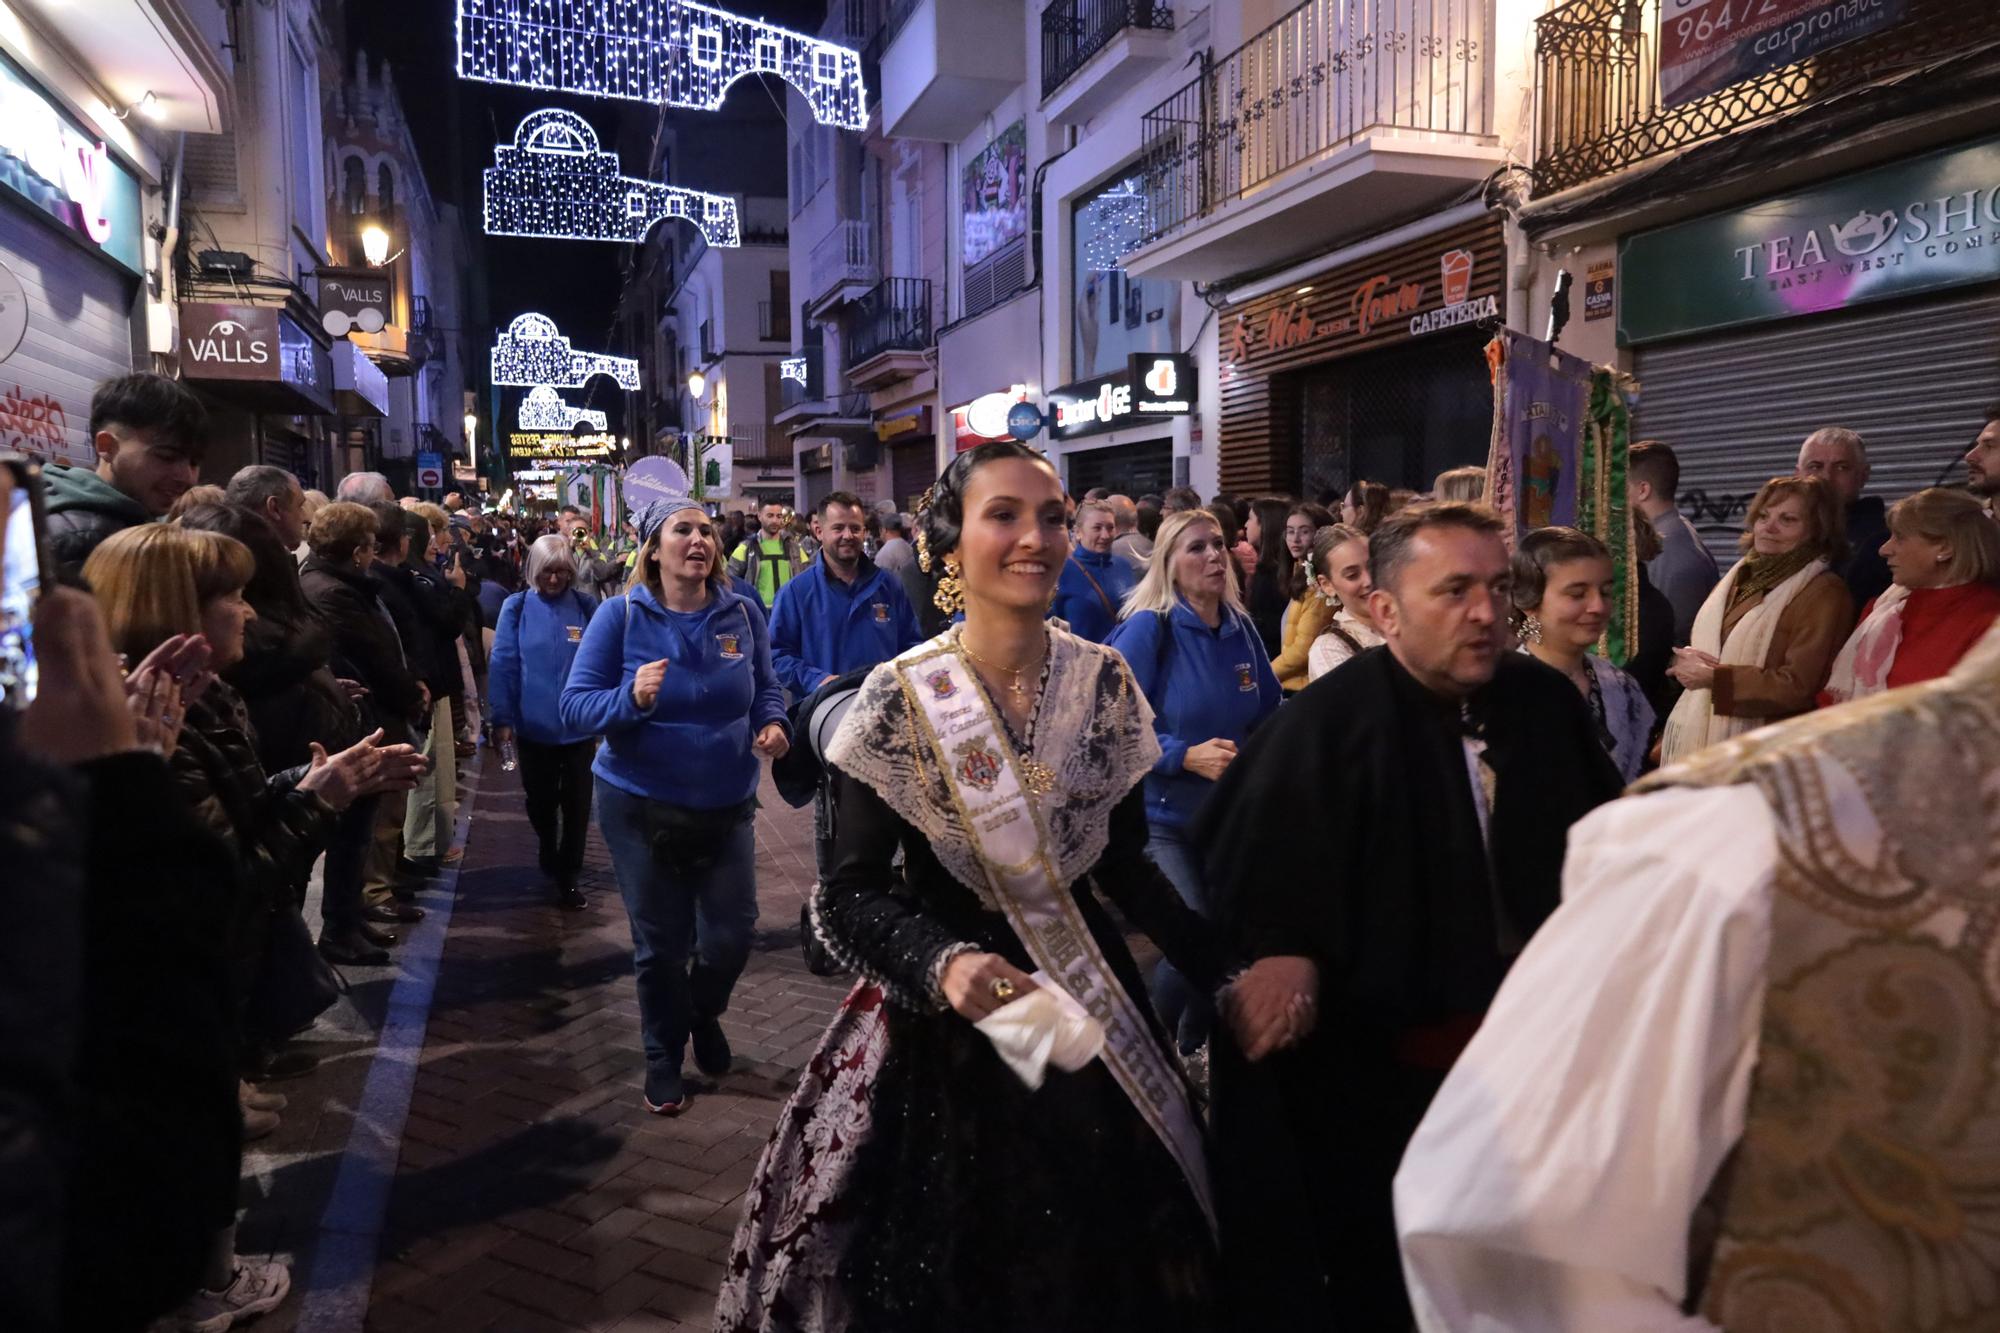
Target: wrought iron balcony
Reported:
point(895, 316)
point(1322, 77)
point(800, 378)
point(1075, 30)
point(1601, 108)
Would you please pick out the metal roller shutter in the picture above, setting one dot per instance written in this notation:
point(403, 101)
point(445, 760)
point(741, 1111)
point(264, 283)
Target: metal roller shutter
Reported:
point(912, 469)
point(1913, 378)
point(79, 333)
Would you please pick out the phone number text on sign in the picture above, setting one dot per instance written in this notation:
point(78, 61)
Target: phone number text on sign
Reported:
point(1709, 45)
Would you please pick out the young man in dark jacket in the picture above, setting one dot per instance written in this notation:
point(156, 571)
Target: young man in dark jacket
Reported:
point(149, 433)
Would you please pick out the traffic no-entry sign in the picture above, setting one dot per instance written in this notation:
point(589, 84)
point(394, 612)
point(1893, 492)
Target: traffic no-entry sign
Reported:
point(430, 478)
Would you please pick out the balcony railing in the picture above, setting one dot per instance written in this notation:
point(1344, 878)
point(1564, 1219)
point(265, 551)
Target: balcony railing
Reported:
point(1075, 30)
point(895, 316)
point(1311, 83)
point(845, 254)
point(760, 447)
point(800, 378)
point(1600, 106)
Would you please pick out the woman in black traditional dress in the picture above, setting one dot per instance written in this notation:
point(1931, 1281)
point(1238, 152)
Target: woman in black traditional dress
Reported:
point(915, 1182)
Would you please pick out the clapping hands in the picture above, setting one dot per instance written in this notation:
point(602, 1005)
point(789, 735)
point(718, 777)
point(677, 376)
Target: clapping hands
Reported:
point(361, 770)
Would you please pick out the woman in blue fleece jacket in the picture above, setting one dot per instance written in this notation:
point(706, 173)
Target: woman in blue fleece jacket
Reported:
point(534, 643)
point(676, 676)
point(1200, 663)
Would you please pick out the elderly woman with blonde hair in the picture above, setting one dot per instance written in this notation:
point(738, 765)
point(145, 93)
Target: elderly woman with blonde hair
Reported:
point(1944, 562)
point(534, 644)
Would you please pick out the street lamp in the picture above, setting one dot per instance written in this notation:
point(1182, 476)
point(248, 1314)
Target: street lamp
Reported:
point(697, 383)
point(374, 245)
point(472, 440)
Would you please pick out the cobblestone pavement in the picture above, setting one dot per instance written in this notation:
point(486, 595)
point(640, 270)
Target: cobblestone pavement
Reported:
point(531, 1190)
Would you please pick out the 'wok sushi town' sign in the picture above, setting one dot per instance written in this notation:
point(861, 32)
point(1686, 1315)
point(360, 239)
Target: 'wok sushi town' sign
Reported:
point(1918, 225)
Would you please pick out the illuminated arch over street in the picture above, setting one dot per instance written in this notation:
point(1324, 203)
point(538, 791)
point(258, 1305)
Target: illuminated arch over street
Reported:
point(553, 181)
point(532, 352)
point(675, 52)
point(545, 409)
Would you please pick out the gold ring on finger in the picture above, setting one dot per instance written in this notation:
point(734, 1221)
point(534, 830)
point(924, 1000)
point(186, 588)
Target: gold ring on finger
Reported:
point(1003, 989)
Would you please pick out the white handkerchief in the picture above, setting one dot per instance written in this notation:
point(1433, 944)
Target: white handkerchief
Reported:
point(1043, 1027)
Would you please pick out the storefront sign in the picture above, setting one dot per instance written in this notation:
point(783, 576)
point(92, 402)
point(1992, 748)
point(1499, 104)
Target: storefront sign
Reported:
point(360, 389)
point(1709, 45)
point(49, 161)
point(1599, 291)
point(261, 349)
point(985, 417)
point(356, 299)
point(911, 421)
point(1152, 388)
point(1025, 421)
point(230, 342)
point(1918, 225)
point(1415, 291)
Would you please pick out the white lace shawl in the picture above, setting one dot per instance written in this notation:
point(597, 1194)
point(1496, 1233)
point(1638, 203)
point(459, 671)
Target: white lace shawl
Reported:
point(1094, 730)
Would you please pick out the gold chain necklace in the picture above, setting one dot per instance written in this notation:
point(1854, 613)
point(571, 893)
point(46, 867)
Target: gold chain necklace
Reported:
point(1036, 776)
point(1014, 685)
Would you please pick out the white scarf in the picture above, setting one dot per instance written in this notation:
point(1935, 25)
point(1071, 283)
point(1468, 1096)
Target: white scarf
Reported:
point(1863, 665)
point(1694, 724)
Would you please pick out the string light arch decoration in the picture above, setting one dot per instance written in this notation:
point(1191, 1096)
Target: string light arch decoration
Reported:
point(533, 353)
point(545, 409)
point(554, 182)
point(674, 52)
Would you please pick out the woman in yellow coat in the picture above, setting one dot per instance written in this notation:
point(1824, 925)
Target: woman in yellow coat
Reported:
point(1307, 615)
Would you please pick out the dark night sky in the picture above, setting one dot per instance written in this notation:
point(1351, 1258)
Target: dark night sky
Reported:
point(456, 123)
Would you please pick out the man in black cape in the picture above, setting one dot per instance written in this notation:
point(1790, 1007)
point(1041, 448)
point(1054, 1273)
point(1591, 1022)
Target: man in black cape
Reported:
point(1380, 851)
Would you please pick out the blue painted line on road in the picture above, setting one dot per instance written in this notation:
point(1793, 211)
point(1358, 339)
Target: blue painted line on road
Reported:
point(350, 1230)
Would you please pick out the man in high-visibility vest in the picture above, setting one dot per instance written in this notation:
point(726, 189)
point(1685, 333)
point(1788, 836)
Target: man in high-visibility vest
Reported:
point(769, 558)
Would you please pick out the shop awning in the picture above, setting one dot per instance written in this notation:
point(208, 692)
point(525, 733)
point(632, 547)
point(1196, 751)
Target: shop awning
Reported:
point(360, 389)
point(256, 357)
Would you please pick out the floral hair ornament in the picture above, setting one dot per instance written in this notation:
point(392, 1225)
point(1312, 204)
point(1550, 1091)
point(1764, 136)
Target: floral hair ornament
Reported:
point(923, 538)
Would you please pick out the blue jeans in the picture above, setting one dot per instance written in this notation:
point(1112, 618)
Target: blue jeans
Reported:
point(1186, 1012)
point(708, 915)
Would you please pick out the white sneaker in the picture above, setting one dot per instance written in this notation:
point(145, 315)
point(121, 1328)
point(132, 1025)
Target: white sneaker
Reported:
point(253, 1289)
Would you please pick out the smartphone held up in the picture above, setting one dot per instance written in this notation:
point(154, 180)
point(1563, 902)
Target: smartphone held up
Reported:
point(24, 570)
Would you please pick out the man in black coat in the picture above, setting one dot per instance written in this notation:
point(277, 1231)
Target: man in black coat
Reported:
point(1838, 456)
point(1380, 854)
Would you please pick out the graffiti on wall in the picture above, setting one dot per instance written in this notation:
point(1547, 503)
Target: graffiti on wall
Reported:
point(35, 423)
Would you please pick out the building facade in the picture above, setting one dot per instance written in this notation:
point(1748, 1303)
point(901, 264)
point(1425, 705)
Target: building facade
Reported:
point(95, 104)
point(1789, 244)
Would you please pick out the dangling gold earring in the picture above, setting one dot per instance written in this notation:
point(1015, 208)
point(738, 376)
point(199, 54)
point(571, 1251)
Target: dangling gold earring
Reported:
point(1531, 628)
point(950, 595)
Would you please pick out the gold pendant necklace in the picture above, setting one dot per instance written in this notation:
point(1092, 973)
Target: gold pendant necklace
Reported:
point(1036, 776)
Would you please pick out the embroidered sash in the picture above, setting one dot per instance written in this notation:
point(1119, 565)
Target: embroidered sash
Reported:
point(988, 789)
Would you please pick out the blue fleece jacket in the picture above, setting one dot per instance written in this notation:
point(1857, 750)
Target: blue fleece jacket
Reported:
point(1078, 602)
point(821, 627)
point(1204, 684)
point(692, 747)
point(534, 644)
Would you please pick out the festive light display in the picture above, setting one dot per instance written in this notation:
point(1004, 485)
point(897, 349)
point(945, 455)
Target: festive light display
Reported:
point(544, 409)
point(553, 181)
point(1112, 224)
point(532, 352)
point(793, 368)
point(672, 51)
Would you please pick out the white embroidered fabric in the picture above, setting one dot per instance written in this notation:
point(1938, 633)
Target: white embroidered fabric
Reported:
point(1093, 730)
